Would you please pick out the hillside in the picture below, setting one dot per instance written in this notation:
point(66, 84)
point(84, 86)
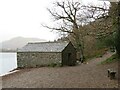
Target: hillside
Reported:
point(18, 42)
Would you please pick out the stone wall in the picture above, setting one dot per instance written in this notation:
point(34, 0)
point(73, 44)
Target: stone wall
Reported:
point(30, 59)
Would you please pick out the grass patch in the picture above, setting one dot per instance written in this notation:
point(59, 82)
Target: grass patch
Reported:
point(96, 54)
point(111, 59)
point(54, 65)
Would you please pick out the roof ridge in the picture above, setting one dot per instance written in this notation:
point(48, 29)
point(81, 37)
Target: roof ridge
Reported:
point(46, 42)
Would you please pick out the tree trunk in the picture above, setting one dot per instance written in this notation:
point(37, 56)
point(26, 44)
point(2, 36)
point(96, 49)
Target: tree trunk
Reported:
point(79, 46)
point(82, 55)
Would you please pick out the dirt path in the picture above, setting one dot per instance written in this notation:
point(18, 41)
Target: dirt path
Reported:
point(89, 75)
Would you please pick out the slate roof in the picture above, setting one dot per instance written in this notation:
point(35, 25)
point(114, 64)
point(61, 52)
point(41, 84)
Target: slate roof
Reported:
point(44, 47)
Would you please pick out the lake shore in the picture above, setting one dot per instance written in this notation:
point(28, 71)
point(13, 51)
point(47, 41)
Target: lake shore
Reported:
point(8, 73)
point(8, 62)
point(8, 51)
point(89, 75)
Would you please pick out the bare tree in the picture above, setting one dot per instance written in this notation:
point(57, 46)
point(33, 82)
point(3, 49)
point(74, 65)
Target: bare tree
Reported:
point(71, 16)
point(71, 19)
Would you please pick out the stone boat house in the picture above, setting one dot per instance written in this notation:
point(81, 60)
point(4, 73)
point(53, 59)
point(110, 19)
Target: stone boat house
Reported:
point(46, 53)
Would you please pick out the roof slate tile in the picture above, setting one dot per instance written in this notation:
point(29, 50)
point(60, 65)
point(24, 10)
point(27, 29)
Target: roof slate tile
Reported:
point(44, 47)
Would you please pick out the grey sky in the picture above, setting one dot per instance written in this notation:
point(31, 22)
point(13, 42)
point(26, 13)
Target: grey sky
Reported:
point(24, 18)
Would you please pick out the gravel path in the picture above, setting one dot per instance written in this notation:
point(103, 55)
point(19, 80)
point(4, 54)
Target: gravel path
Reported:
point(90, 75)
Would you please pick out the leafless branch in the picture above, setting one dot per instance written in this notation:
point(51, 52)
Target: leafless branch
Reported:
point(62, 29)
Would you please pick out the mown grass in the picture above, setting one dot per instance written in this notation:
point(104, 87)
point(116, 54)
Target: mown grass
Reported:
point(111, 59)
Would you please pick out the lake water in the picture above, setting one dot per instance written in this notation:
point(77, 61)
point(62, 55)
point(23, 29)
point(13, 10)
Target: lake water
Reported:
point(8, 62)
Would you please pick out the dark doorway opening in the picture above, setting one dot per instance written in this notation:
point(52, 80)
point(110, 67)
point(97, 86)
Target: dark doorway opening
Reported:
point(69, 58)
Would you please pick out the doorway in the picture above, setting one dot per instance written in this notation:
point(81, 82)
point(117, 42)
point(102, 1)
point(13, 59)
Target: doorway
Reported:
point(69, 58)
